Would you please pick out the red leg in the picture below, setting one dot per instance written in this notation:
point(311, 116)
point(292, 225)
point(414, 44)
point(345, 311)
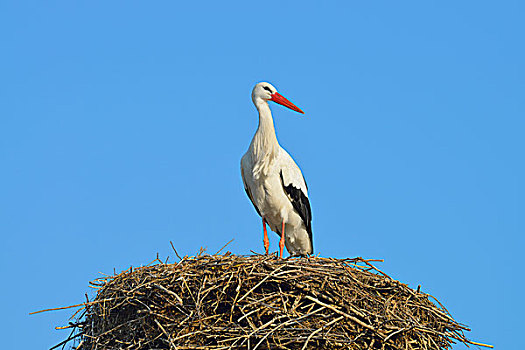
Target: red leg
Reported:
point(281, 242)
point(265, 239)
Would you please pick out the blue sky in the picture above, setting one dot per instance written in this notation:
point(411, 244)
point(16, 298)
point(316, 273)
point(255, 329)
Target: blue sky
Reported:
point(122, 125)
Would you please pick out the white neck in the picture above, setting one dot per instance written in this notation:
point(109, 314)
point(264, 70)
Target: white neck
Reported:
point(264, 146)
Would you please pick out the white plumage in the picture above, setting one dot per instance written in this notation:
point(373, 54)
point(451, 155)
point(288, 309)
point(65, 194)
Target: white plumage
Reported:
point(274, 183)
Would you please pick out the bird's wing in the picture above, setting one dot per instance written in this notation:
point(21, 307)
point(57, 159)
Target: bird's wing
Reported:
point(247, 188)
point(295, 188)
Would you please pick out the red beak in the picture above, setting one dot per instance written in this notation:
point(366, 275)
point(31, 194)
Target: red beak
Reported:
point(280, 99)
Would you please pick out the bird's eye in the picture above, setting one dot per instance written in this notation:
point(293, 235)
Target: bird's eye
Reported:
point(267, 89)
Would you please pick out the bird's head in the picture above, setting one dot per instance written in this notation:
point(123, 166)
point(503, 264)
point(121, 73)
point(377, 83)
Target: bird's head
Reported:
point(266, 92)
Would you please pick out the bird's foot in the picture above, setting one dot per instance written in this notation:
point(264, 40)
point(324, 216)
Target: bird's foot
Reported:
point(281, 242)
point(266, 241)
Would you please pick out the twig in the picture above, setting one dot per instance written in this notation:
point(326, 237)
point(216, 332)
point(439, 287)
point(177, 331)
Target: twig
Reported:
point(319, 329)
point(356, 320)
point(71, 306)
point(67, 340)
point(231, 240)
point(175, 250)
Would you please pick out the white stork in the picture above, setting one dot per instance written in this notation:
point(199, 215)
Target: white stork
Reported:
point(274, 183)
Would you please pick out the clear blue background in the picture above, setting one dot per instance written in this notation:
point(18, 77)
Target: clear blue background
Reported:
point(122, 125)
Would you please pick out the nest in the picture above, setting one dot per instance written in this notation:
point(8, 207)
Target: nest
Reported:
point(261, 302)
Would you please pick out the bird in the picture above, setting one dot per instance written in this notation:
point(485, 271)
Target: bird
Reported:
point(273, 181)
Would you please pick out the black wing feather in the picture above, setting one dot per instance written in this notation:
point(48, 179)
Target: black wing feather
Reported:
point(301, 204)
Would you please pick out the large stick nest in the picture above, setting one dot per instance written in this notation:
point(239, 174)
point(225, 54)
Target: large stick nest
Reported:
point(261, 302)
